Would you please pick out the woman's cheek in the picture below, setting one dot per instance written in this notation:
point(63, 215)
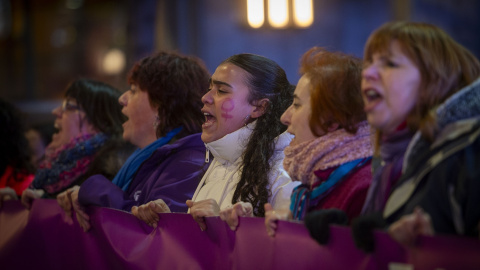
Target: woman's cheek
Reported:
point(227, 106)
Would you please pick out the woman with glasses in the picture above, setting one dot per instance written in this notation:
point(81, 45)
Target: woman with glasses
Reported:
point(87, 142)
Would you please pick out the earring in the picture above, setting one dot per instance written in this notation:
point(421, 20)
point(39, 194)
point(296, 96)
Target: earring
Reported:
point(246, 119)
point(156, 122)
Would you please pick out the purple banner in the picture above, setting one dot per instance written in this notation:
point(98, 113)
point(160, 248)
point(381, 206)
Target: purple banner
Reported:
point(43, 239)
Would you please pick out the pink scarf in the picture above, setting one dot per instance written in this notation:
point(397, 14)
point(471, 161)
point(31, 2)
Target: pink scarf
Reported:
point(327, 151)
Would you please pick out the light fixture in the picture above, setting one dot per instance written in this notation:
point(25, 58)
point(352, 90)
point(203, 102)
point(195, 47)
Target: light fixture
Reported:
point(255, 13)
point(280, 13)
point(113, 62)
point(303, 12)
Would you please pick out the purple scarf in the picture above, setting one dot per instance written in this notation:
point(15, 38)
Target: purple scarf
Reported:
point(392, 150)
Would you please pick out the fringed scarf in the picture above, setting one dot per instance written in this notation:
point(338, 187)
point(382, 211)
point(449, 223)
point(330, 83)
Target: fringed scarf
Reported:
point(331, 150)
point(62, 166)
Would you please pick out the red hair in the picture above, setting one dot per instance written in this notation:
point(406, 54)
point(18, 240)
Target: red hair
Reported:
point(335, 94)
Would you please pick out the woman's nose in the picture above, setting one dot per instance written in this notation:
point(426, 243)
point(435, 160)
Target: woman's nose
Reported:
point(369, 72)
point(286, 116)
point(57, 111)
point(122, 99)
point(207, 98)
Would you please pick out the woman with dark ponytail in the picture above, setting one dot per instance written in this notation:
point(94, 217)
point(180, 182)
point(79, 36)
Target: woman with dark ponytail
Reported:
point(248, 94)
point(261, 146)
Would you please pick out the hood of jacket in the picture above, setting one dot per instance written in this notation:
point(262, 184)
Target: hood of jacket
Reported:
point(463, 105)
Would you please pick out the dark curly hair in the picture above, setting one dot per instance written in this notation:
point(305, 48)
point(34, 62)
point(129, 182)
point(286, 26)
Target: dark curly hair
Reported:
point(16, 151)
point(175, 84)
point(265, 79)
point(99, 101)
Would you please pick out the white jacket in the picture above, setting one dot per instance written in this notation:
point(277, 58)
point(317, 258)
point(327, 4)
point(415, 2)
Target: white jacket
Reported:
point(223, 175)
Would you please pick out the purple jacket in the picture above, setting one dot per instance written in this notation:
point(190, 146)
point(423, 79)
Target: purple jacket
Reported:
point(172, 174)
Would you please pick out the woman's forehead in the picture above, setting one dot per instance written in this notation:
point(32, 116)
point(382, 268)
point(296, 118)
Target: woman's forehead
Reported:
point(230, 74)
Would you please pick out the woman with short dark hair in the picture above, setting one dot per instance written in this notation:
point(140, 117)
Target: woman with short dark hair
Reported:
point(163, 120)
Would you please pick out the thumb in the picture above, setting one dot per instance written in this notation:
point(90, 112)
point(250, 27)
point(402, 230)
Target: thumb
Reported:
point(159, 206)
point(238, 209)
point(268, 207)
point(135, 210)
point(189, 203)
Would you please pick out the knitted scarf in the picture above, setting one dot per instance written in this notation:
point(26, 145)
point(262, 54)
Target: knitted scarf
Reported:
point(330, 150)
point(62, 166)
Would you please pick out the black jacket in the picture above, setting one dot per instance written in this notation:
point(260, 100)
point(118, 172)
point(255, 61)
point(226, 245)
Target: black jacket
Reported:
point(443, 177)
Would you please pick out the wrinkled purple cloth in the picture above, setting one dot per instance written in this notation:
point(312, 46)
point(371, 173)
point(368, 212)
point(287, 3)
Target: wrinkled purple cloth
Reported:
point(42, 239)
point(172, 174)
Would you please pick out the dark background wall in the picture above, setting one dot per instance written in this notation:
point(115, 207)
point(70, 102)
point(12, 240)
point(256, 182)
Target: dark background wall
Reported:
point(45, 44)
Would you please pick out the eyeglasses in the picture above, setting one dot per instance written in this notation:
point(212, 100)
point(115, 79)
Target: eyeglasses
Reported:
point(69, 107)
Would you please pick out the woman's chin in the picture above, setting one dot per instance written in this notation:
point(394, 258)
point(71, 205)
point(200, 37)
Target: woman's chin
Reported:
point(293, 142)
point(207, 138)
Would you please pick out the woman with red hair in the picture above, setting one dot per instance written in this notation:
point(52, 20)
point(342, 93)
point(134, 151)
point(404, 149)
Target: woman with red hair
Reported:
point(331, 152)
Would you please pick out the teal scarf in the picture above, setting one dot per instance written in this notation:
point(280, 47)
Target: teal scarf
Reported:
point(125, 174)
point(303, 197)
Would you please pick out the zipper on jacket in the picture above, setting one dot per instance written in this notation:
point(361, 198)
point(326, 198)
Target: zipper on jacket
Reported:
point(207, 156)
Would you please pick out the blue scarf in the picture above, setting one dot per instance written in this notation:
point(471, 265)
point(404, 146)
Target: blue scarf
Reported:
point(304, 197)
point(125, 174)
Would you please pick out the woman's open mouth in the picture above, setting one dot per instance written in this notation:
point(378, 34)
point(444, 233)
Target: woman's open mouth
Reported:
point(209, 120)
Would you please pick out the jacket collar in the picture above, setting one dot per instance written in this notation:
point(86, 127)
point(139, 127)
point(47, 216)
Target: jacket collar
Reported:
point(230, 147)
point(463, 105)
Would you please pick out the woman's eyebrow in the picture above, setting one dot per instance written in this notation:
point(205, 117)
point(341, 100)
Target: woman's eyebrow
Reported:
point(220, 83)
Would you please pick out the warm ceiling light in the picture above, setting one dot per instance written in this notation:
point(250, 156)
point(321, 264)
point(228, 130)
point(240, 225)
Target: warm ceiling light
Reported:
point(278, 13)
point(113, 62)
point(303, 12)
point(255, 13)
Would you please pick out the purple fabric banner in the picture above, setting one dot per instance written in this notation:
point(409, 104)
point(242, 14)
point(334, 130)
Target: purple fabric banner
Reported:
point(43, 239)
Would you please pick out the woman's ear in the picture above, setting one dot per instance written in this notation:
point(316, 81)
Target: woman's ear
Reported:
point(259, 107)
point(85, 125)
point(320, 132)
point(333, 127)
